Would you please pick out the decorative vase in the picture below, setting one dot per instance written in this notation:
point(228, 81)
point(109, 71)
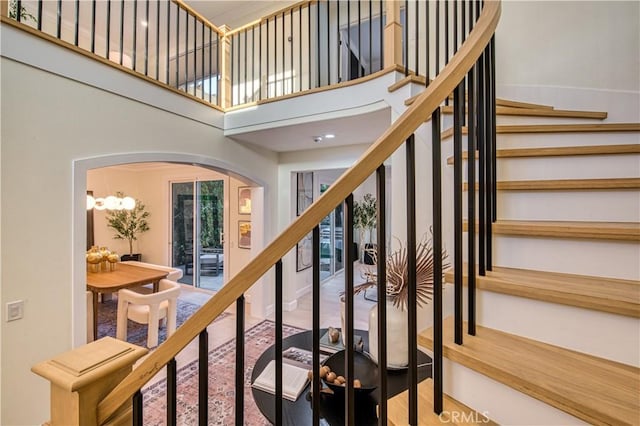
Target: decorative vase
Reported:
point(397, 335)
point(113, 258)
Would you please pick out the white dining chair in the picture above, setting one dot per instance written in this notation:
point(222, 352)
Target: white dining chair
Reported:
point(148, 308)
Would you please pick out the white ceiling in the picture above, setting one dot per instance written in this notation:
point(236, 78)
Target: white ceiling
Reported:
point(236, 13)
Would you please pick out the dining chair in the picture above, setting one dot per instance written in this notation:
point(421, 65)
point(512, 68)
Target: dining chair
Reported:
point(148, 308)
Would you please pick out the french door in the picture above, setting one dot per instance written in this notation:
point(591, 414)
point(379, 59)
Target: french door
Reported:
point(197, 232)
point(331, 241)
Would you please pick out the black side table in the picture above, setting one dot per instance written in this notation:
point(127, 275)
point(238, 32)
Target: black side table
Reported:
point(331, 406)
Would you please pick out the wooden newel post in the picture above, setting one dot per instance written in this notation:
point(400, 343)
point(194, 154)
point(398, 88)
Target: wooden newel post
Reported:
point(392, 35)
point(225, 52)
point(81, 378)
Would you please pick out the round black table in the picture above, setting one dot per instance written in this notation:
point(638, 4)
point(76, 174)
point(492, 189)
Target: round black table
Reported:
point(331, 406)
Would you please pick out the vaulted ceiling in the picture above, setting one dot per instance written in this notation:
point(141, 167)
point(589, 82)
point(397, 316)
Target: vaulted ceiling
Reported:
point(234, 14)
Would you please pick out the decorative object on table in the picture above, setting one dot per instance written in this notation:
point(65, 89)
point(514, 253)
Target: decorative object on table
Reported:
point(364, 220)
point(397, 294)
point(104, 252)
point(330, 341)
point(94, 259)
point(128, 224)
point(244, 234)
point(113, 259)
point(304, 190)
point(365, 373)
point(244, 200)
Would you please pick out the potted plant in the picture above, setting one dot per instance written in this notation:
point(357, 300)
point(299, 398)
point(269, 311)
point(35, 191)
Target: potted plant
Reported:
point(364, 220)
point(128, 224)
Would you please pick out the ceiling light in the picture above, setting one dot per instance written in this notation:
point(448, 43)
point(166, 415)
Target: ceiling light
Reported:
point(329, 136)
point(317, 138)
point(144, 23)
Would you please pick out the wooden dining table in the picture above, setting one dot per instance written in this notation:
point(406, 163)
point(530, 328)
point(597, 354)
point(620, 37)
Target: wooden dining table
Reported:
point(124, 276)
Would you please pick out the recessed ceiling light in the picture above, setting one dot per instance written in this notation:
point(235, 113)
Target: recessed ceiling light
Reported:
point(329, 136)
point(144, 23)
point(317, 138)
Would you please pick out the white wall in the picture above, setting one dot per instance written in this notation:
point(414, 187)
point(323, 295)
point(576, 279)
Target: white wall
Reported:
point(75, 127)
point(589, 44)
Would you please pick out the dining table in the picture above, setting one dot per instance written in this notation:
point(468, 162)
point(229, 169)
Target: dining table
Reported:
point(124, 276)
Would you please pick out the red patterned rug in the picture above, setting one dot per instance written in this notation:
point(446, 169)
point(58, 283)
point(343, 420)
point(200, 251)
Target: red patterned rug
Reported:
point(221, 383)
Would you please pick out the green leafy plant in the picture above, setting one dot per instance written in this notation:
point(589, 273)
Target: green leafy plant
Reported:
point(128, 224)
point(24, 13)
point(364, 217)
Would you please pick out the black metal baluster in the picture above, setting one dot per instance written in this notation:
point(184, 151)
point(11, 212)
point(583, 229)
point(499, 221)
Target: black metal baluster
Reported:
point(177, 47)
point(381, 30)
point(328, 44)
point(169, 39)
point(458, 112)
point(278, 345)
point(202, 61)
point(240, 361)
point(489, 154)
point(318, 65)
point(186, 52)
point(359, 41)
point(260, 60)
point(370, 37)
point(316, 327)
point(291, 73)
point(349, 40)
point(417, 46)
point(437, 18)
point(284, 57)
point(58, 18)
point(76, 23)
point(427, 43)
point(463, 22)
point(219, 74)
point(492, 61)
point(137, 409)
point(275, 55)
point(172, 392)
point(267, 58)
point(411, 280)
point(471, 203)
point(146, 39)
point(203, 378)
point(253, 63)
point(18, 9)
point(437, 261)
point(405, 58)
point(108, 27)
point(158, 40)
point(235, 94)
point(93, 23)
point(300, 46)
point(338, 40)
point(93, 28)
point(309, 41)
point(135, 34)
point(382, 291)
point(195, 53)
point(349, 414)
point(211, 65)
point(122, 32)
point(482, 205)
point(246, 51)
point(446, 32)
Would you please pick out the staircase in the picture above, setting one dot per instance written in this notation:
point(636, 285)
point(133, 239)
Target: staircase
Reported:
point(559, 313)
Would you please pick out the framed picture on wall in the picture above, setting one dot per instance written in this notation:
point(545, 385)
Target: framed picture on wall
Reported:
point(304, 251)
point(244, 234)
point(244, 200)
point(304, 191)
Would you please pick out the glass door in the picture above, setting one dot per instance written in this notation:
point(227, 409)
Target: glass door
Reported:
point(331, 241)
point(198, 232)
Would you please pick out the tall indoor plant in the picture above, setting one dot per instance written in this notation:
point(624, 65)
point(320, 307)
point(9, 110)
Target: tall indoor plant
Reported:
point(364, 220)
point(128, 224)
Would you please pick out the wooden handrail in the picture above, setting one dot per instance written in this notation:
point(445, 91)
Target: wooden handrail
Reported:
point(385, 145)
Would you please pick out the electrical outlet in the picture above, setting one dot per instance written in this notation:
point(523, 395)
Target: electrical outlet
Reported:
point(15, 310)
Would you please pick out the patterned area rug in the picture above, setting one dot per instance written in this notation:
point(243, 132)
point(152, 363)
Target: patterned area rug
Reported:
point(137, 333)
point(221, 383)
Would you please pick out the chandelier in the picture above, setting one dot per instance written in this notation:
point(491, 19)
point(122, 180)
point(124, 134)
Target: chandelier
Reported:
point(110, 203)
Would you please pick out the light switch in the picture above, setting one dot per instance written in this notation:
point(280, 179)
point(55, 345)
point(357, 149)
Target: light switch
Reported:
point(15, 310)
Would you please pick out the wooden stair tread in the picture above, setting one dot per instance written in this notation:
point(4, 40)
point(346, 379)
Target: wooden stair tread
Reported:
point(561, 151)
point(499, 102)
point(556, 128)
point(593, 389)
point(565, 184)
point(411, 78)
point(621, 231)
point(535, 112)
point(398, 407)
point(612, 295)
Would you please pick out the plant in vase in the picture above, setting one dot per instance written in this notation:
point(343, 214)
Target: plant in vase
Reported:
point(128, 224)
point(397, 296)
point(364, 220)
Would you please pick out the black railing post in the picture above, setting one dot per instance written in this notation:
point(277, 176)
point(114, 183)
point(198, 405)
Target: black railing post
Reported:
point(239, 395)
point(316, 326)
point(482, 207)
point(137, 419)
point(122, 33)
point(471, 200)
point(437, 261)
point(278, 344)
point(492, 60)
point(93, 23)
point(412, 305)
point(405, 58)
point(172, 392)
point(76, 25)
point(488, 117)
point(349, 414)
point(458, 112)
point(134, 50)
point(382, 291)
point(203, 378)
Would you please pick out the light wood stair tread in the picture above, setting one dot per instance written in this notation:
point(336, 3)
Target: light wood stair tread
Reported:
point(565, 184)
point(398, 407)
point(621, 231)
point(411, 78)
point(535, 112)
point(499, 102)
point(556, 128)
point(593, 389)
point(561, 151)
point(612, 295)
